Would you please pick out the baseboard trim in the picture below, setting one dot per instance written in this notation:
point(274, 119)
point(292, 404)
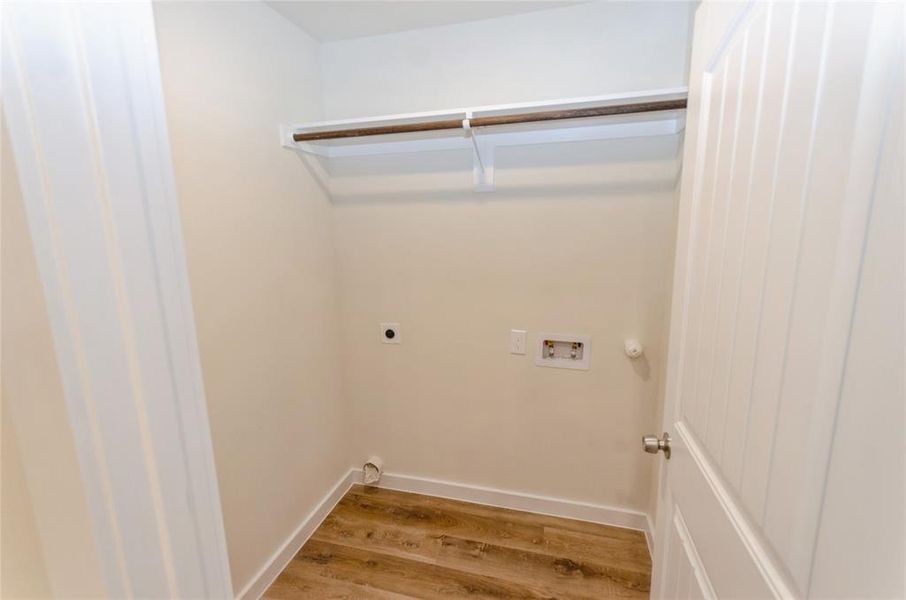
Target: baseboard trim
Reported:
point(545, 505)
point(255, 588)
point(649, 535)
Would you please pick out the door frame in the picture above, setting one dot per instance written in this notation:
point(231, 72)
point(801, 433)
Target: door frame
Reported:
point(100, 199)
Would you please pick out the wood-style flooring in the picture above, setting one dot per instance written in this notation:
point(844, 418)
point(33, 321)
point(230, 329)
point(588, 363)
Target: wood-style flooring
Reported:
point(380, 543)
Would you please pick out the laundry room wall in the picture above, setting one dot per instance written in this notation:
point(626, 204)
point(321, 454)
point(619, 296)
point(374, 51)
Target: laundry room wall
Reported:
point(577, 238)
point(258, 235)
point(584, 49)
point(289, 288)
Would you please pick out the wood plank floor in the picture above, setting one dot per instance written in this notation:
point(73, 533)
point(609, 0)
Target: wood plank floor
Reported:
point(381, 543)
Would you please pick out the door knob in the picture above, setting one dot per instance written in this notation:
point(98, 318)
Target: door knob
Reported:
point(652, 444)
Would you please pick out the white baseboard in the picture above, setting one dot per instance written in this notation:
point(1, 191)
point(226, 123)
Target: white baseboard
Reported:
point(255, 588)
point(649, 535)
point(545, 505)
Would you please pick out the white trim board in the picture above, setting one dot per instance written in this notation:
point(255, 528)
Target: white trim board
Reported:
point(544, 505)
point(262, 580)
point(104, 222)
point(649, 535)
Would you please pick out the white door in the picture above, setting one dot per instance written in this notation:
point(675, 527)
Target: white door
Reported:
point(790, 215)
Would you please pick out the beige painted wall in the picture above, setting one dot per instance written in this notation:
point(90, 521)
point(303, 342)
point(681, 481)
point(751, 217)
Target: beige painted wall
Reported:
point(258, 236)
point(23, 573)
point(265, 248)
point(580, 50)
point(450, 402)
point(46, 543)
point(578, 238)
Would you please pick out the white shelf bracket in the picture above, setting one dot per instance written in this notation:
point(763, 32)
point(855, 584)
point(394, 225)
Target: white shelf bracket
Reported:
point(286, 137)
point(482, 159)
point(309, 154)
point(287, 141)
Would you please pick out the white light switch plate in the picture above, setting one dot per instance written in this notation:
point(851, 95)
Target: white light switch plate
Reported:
point(517, 341)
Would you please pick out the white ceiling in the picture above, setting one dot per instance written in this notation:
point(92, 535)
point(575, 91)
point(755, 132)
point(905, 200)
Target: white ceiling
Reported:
point(341, 20)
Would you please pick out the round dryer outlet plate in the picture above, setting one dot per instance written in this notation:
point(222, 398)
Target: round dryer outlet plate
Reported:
point(390, 333)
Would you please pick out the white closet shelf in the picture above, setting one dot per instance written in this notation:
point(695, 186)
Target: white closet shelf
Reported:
point(456, 129)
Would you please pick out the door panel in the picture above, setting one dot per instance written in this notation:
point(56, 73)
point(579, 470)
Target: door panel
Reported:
point(743, 345)
point(868, 440)
point(684, 576)
point(788, 107)
point(827, 261)
point(782, 238)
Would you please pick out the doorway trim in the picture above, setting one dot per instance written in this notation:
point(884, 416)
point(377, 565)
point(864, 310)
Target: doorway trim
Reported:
point(85, 111)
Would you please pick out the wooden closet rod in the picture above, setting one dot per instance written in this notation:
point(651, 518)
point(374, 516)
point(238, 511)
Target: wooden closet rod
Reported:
point(532, 117)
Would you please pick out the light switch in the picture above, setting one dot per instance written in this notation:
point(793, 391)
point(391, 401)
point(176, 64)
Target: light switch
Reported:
point(517, 341)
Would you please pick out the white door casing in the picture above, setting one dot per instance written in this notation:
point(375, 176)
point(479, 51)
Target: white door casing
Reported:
point(84, 106)
point(791, 114)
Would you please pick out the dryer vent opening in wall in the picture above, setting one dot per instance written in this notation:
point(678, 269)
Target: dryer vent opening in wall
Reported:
point(372, 470)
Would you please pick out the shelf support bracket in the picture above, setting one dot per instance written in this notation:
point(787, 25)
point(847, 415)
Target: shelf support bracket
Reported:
point(482, 159)
point(310, 156)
